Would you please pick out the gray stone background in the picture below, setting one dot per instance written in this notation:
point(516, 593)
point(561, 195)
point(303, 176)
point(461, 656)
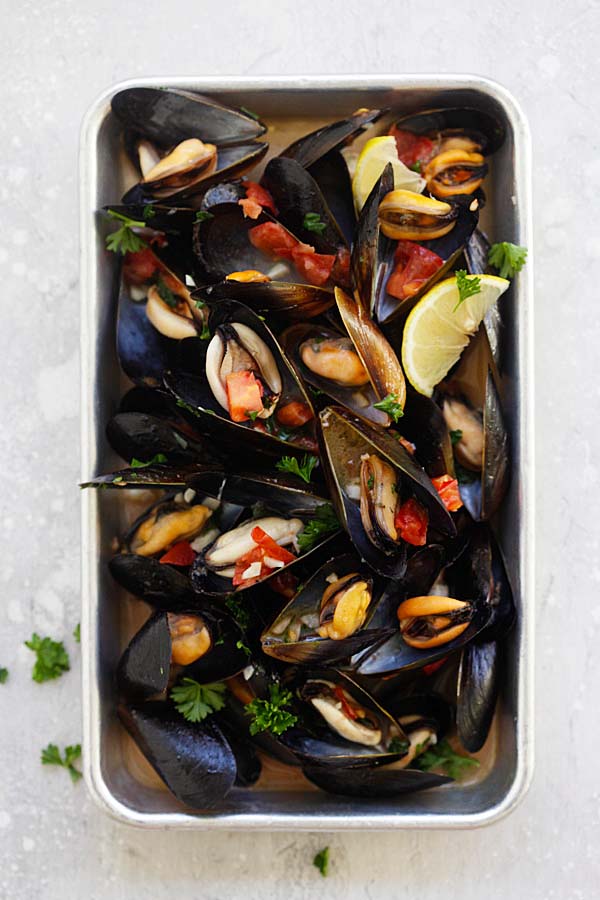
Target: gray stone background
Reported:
point(55, 58)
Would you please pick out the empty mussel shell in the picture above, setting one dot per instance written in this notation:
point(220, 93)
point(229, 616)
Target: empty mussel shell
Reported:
point(311, 147)
point(380, 782)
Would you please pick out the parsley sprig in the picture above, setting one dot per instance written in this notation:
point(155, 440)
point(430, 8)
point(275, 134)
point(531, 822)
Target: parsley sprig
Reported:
point(51, 756)
point(139, 464)
point(507, 258)
point(272, 715)
point(312, 222)
point(196, 701)
point(321, 861)
point(124, 240)
point(51, 658)
point(302, 469)
point(468, 286)
point(323, 523)
point(3, 675)
point(442, 756)
point(390, 405)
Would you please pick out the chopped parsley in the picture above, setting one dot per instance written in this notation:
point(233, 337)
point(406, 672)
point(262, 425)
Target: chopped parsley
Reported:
point(312, 222)
point(507, 258)
point(205, 333)
point(396, 745)
point(249, 112)
point(456, 436)
point(252, 414)
point(166, 294)
point(196, 701)
point(199, 304)
point(370, 482)
point(468, 286)
point(442, 756)
point(272, 715)
point(148, 212)
point(51, 756)
point(3, 675)
point(139, 464)
point(302, 469)
point(321, 861)
point(77, 632)
point(124, 240)
point(323, 523)
point(202, 215)
point(242, 646)
point(238, 610)
point(51, 658)
point(416, 166)
point(188, 407)
point(390, 405)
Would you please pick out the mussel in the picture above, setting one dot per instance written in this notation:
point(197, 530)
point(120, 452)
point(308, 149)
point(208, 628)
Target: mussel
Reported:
point(406, 216)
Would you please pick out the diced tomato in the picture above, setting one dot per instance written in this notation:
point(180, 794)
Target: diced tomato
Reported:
point(414, 266)
point(411, 521)
point(285, 584)
point(266, 548)
point(244, 395)
point(314, 267)
point(140, 267)
point(180, 554)
point(260, 195)
point(272, 238)
point(447, 488)
point(347, 707)
point(434, 666)
point(294, 414)
point(412, 148)
point(251, 208)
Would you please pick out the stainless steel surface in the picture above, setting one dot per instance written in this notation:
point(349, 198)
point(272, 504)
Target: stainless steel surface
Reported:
point(114, 774)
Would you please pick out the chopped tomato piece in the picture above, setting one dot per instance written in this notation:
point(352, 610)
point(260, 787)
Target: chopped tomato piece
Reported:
point(260, 195)
point(434, 666)
point(285, 584)
point(294, 414)
point(244, 395)
point(314, 267)
point(414, 266)
point(251, 208)
point(272, 238)
point(412, 148)
point(347, 707)
point(180, 554)
point(141, 266)
point(266, 549)
point(447, 488)
point(270, 546)
point(411, 521)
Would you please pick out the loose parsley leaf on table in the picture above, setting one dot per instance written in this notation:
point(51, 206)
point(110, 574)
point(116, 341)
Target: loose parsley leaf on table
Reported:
point(468, 286)
point(507, 258)
point(302, 469)
point(324, 522)
point(3, 675)
point(321, 861)
point(442, 756)
point(272, 715)
point(51, 658)
point(77, 632)
point(390, 405)
point(51, 756)
point(196, 701)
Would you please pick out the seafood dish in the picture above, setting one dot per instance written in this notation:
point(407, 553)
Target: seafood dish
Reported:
point(315, 446)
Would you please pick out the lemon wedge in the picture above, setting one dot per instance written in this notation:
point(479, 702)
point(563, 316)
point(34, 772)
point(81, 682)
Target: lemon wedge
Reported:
point(439, 328)
point(375, 155)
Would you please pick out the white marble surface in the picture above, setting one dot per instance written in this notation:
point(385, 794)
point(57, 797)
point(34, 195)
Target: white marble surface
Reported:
point(56, 57)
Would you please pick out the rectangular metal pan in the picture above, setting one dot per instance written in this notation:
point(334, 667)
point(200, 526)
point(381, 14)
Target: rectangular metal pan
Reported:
point(116, 774)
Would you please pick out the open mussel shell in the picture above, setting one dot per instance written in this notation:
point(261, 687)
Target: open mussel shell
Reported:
point(333, 178)
point(193, 759)
point(285, 300)
point(139, 435)
point(152, 476)
point(221, 245)
point(359, 398)
point(346, 440)
point(456, 120)
point(381, 782)
point(424, 426)
point(310, 148)
point(248, 764)
point(169, 116)
point(195, 392)
point(296, 195)
point(372, 250)
point(302, 614)
point(314, 740)
point(477, 692)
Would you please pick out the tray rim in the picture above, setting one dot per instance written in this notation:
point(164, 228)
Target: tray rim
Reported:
point(94, 780)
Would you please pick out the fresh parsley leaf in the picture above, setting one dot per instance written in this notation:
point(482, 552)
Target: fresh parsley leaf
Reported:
point(468, 286)
point(312, 222)
point(242, 646)
point(188, 408)
point(324, 522)
point(390, 405)
point(51, 756)
point(238, 610)
point(272, 715)
point(442, 756)
point(455, 436)
point(302, 469)
point(199, 304)
point(124, 240)
point(118, 479)
point(197, 701)
point(416, 166)
point(202, 215)
point(252, 414)
point(507, 258)
point(77, 632)
point(148, 212)
point(3, 675)
point(51, 658)
point(205, 333)
point(139, 464)
point(321, 861)
point(166, 294)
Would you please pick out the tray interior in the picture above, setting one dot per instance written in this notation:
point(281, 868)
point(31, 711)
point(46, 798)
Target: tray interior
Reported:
point(128, 781)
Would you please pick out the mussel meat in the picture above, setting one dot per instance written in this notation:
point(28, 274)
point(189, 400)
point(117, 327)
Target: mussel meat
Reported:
point(232, 550)
point(406, 216)
point(378, 501)
point(167, 524)
point(344, 606)
point(431, 621)
point(334, 359)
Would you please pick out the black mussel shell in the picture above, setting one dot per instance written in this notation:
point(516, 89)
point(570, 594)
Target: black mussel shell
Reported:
point(144, 353)
point(284, 300)
point(457, 118)
point(477, 693)
point(193, 759)
point(296, 195)
point(248, 764)
point(145, 665)
point(380, 782)
point(224, 192)
point(151, 476)
point(476, 252)
point(345, 439)
point(221, 244)
point(168, 116)
point(138, 435)
point(372, 250)
point(423, 424)
point(159, 584)
point(312, 648)
point(310, 148)
point(332, 175)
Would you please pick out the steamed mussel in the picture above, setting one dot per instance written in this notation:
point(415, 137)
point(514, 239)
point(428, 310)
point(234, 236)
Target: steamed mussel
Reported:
point(323, 588)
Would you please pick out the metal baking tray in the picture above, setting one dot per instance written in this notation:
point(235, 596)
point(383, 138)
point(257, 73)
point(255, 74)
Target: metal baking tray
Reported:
point(117, 775)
